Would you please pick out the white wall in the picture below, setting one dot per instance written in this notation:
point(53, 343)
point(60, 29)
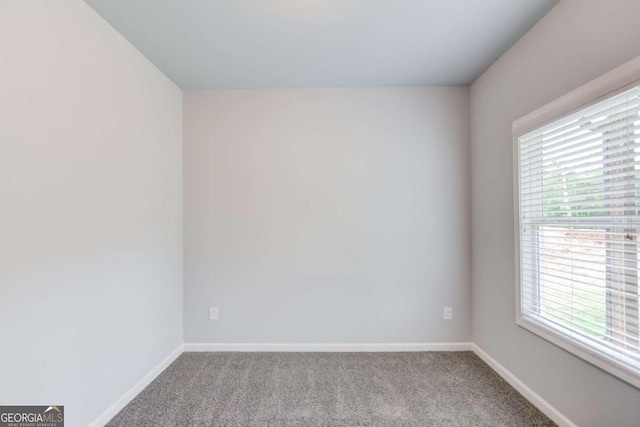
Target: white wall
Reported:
point(327, 216)
point(90, 210)
point(576, 42)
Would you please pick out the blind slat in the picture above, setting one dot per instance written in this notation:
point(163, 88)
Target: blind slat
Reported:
point(609, 176)
point(547, 267)
point(583, 284)
point(586, 157)
point(549, 301)
point(585, 116)
point(589, 170)
point(602, 135)
point(629, 118)
point(590, 297)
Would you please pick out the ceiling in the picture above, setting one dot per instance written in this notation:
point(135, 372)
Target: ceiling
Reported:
point(256, 44)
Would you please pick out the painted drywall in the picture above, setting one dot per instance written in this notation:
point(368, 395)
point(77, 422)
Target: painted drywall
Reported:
point(91, 210)
point(327, 216)
point(321, 43)
point(576, 42)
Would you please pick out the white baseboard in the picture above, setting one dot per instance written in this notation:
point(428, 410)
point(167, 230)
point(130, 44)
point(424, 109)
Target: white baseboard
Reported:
point(128, 396)
point(533, 397)
point(242, 347)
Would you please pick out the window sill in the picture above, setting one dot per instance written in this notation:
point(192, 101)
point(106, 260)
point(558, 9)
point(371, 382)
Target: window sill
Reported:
point(588, 353)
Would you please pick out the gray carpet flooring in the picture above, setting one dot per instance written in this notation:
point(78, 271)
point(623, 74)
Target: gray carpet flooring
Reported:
point(329, 389)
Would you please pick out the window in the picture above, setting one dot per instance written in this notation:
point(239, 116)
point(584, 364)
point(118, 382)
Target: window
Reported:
point(579, 228)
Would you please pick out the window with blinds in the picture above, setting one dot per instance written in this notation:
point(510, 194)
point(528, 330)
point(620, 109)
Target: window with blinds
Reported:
point(579, 224)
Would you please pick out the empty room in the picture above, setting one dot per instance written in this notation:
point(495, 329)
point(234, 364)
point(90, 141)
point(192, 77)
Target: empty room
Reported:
point(319, 213)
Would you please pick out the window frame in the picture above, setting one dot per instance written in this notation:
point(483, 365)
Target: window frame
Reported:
point(602, 88)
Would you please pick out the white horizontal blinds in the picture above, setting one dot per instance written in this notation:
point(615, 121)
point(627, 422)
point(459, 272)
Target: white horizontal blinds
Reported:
point(580, 224)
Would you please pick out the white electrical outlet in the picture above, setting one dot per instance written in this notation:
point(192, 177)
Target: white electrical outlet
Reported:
point(447, 313)
point(213, 313)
